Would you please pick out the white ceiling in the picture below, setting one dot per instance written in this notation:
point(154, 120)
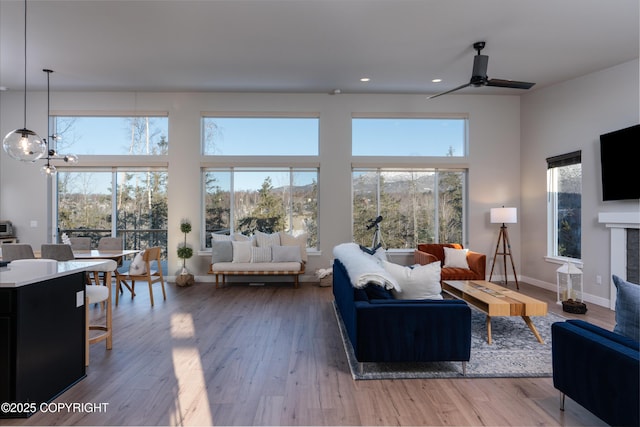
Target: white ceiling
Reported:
point(314, 46)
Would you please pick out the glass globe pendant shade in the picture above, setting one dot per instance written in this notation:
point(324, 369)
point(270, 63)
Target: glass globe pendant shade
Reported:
point(48, 169)
point(71, 159)
point(24, 145)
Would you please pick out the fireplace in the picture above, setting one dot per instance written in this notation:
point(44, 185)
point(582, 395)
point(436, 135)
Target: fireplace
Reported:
point(624, 228)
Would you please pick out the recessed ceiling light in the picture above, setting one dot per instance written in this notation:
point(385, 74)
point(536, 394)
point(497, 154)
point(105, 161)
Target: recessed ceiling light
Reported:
point(365, 79)
point(436, 80)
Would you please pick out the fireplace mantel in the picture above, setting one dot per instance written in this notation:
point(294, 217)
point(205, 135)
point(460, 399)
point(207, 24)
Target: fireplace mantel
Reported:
point(618, 223)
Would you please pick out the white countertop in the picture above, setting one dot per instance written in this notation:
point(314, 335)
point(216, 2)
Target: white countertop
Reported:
point(26, 272)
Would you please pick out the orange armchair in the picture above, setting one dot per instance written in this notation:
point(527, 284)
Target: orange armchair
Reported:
point(432, 252)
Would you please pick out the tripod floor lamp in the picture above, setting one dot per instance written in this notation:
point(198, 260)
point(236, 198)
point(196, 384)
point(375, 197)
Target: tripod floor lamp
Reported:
point(504, 216)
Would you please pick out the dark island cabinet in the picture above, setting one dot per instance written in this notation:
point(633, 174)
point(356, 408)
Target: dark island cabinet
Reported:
point(42, 338)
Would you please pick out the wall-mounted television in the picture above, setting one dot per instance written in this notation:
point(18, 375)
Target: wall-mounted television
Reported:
point(620, 164)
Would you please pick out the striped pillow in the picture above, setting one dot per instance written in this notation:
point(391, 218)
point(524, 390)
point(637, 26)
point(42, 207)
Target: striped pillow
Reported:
point(259, 254)
point(267, 240)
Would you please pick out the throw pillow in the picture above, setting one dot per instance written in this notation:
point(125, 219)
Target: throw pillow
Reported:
point(138, 265)
point(267, 240)
point(241, 251)
point(239, 237)
point(299, 240)
point(455, 258)
point(259, 254)
point(417, 282)
point(221, 251)
point(286, 254)
point(221, 237)
point(627, 308)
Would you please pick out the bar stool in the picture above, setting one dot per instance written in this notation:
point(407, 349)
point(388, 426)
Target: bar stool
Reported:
point(95, 294)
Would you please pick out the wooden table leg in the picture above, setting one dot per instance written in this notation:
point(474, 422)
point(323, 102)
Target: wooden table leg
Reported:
point(531, 326)
point(489, 329)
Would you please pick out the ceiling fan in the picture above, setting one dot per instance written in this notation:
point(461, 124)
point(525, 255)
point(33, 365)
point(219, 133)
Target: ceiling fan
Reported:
point(479, 75)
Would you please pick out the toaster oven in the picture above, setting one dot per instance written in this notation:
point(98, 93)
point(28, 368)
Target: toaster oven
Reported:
point(6, 229)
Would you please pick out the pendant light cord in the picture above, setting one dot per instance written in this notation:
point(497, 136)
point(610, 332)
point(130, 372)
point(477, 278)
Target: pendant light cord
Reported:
point(25, 65)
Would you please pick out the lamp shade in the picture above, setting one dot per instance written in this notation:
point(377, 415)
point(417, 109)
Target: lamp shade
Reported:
point(504, 215)
point(24, 145)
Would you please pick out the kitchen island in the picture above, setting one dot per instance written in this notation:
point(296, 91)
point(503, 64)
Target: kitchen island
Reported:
point(42, 332)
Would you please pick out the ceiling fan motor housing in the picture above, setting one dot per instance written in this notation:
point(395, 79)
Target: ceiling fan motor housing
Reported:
point(479, 74)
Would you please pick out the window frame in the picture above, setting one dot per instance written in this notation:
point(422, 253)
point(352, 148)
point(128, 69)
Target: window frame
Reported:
point(553, 165)
point(291, 170)
point(257, 115)
point(436, 201)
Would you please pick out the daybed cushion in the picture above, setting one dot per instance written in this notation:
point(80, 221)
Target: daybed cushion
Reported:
point(241, 251)
point(250, 266)
point(221, 251)
point(267, 240)
point(261, 254)
point(285, 254)
point(299, 240)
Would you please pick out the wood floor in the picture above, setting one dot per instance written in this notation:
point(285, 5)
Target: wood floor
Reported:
point(245, 355)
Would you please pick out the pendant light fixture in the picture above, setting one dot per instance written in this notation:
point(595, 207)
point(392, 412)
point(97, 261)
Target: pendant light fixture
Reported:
point(49, 169)
point(24, 144)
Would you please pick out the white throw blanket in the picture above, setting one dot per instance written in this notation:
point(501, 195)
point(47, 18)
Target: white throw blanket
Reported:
point(363, 268)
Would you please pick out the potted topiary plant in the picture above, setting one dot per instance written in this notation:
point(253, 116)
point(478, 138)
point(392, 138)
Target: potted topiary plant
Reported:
point(185, 278)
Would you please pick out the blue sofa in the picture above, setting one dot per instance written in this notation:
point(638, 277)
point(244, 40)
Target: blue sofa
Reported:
point(383, 329)
point(598, 369)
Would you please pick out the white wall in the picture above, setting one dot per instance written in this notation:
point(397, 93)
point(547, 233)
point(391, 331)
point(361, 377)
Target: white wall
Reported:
point(494, 156)
point(563, 118)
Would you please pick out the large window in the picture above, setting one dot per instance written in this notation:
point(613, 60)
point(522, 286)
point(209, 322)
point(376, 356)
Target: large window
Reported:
point(416, 206)
point(106, 199)
point(130, 203)
point(564, 179)
point(111, 135)
point(422, 202)
point(260, 136)
point(243, 200)
point(414, 137)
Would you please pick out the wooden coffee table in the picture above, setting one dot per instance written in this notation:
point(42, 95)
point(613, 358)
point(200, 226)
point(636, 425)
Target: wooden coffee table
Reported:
point(495, 300)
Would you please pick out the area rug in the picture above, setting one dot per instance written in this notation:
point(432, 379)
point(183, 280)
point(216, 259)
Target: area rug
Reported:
point(514, 352)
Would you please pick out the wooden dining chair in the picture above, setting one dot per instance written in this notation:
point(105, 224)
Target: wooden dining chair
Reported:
point(13, 251)
point(148, 268)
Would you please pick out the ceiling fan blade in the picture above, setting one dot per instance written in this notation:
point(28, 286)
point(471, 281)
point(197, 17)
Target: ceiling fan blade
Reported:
point(509, 83)
point(449, 91)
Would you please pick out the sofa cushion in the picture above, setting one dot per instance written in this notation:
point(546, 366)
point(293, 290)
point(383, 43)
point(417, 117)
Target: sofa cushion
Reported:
point(221, 251)
point(260, 254)
point(627, 308)
point(455, 258)
point(285, 254)
point(241, 251)
point(267, 240)
point(221, 237)
point(299, 240)
point(417, 282)
point(253, 267)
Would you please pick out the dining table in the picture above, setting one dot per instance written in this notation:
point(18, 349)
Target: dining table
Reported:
point(116, 255)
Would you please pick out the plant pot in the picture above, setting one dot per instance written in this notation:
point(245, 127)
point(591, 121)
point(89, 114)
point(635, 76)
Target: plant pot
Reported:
point(185, 279)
